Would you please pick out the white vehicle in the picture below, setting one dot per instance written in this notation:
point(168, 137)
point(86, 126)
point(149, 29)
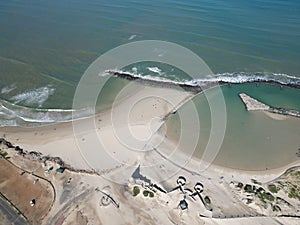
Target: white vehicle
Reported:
point(32, 202)
point(35, 181)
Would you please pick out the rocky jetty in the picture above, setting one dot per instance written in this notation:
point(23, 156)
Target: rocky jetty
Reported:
point(255, 105)
point(252, 104)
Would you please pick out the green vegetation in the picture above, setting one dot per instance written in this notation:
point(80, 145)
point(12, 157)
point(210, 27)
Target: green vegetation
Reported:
point(249, 201)
point(273, 188)
point(207, 200)
point(297, 174)
point(280, 183)
point(263, 196)
point(276, 208)
point(255, 181)
point(248, 188)
point(151, 194)
point(145, 193)
point(136, 191)
point(290, 185)
point(268, 196)
point(294, 192)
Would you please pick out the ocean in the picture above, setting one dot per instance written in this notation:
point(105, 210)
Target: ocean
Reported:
point(46, 46)
point(252, 140)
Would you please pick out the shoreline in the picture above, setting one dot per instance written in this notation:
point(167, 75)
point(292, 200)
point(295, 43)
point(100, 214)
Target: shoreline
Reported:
point(193, 166)
point(66, 128)
point(108, 166)
point(192, 88)
point(189, 167)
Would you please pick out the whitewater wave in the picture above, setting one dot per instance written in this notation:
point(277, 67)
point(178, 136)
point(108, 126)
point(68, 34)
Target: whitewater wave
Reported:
point(31, 97)
point(155, 70)
point(9, 88)
point(231, 78)
point(15, 115)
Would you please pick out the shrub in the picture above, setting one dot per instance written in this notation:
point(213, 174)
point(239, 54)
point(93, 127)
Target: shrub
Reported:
point(151, 194)
point(146, 193)
point(136, 191)
point(248, 188)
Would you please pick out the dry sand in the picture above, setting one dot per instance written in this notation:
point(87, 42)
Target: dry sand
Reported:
point(20, 190)
point(106, 144)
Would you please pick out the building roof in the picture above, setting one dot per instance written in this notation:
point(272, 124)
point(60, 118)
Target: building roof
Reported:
point(60, 170)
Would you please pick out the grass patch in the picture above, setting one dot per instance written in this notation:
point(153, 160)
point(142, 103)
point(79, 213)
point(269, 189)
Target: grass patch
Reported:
point(272, 188)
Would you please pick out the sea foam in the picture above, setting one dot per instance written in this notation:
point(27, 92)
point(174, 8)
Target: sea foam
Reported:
point(37, 96)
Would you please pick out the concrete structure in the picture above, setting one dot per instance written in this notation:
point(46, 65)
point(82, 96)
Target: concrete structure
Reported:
point(181, 181)
point(252, 104)
point(60, 170)
point(198, 187)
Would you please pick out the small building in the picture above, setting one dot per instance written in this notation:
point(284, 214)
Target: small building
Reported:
point(183, 204)
point(60, 170)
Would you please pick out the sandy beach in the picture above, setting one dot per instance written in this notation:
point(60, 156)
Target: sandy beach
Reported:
point(134, 112)
point(126, 147)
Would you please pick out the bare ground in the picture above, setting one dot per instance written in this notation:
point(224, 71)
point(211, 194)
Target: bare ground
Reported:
point(20, 190)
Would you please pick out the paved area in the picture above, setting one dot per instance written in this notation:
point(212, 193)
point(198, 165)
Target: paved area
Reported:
point(12, 216)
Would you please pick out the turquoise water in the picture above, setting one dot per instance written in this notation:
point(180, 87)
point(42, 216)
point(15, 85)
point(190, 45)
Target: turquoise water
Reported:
point(252, 141)
point(45, 47)
point(53, 42)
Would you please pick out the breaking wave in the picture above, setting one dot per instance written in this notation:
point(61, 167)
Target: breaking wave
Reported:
point(12, 114)
point(15, 115)
point(230, 78)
